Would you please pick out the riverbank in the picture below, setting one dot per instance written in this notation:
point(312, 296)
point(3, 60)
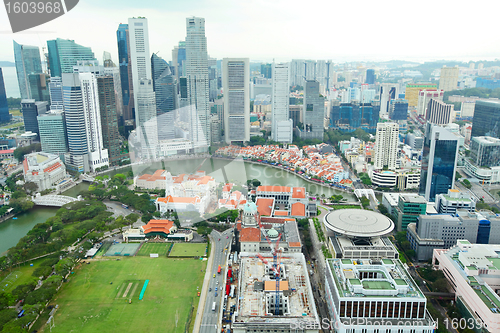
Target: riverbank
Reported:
point(289, 171)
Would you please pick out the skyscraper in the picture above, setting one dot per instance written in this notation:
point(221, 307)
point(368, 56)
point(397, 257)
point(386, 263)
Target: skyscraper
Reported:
point(486, 121)
point(39, 86)
point(4, 106)
point(52, 127)
point(313, 111)
point(179, 59)
point(235, 81)
point(266, 70)
point(439, 113)
point(142, 79)
point(64, 54)
point(109, 118)
point(56, 93)
point(166, 97)
point(122, 37)
point(398, 109)
point(439, 162)
point(281, 122)
point(83, 123)
point(386, 146)
point(370, 76)
point(197, 75)
point(31, 110)
point(448, 79)
point(27, 62)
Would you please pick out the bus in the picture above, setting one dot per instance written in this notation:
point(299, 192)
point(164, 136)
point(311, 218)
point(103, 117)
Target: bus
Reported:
point(218, 270)
point(213, 306)
point(124, 206)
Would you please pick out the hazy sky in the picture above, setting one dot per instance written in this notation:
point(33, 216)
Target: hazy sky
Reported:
point(266, 29)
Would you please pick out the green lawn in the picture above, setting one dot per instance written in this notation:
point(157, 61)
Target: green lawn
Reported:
point(15, 112)
point(18, 275)
point(89, 303)
point(13, 125)
point(188, 250)
point(160, 248)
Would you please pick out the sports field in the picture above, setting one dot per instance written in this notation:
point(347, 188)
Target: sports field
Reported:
point(188, 250)
point(18, 275)
point(89, 303)
point(148, 248)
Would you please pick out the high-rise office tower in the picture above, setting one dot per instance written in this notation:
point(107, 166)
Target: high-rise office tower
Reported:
point(27, 62)
point(52, 127)
point(56, 93)
point(370, 76)
point(197, 75)
point(4, 106)
point(448, 79)
point(64, 54)
point(282, 130)
point(388, 92)
point(439, 161)
point(83, 123)
point(439, 113)
point(39, 87)
point(413, 89)
point(398, 109)
point(122, 36)
point(179, 59)
point(142, 79)
point(107, 61)
point(266, 70)
point(115, 73)
point(166, 97)
point(297, 72)
point(313, 112)
point(486, 121)
point(109, 118)
point(386, 146)
point(31, 110)
point(424, 97)
point(212, 79)
point(235, 81)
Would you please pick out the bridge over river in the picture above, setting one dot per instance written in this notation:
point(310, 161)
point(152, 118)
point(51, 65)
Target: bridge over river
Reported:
point(53, 200)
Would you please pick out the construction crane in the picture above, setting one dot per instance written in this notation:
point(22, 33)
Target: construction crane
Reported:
point(275, 267)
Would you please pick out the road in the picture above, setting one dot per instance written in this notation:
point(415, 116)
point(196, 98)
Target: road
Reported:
point(210, 321)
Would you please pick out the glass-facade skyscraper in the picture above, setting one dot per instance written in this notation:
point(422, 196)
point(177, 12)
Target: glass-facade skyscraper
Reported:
point(439, 162)
point(123, 63)
point(486, 121)
point(27, 62)
point(64, 54)
point(166, 96)
point(4, 106)
point(370, 76)
point(52, 127)
point(347, 117)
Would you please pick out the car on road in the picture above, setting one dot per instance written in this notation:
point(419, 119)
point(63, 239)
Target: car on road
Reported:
point(215, 294)
point(209, 289)
point(215, 288)
point(214, 275)
point(219, 238)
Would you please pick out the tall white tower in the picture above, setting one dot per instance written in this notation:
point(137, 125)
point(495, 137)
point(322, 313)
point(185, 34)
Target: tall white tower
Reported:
point(235, 79)
point(386, 146)
point(197, 75)
point(282, 124)
point(142, 81)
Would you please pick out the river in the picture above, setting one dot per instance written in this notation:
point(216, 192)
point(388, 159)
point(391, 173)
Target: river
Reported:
point(222, 170)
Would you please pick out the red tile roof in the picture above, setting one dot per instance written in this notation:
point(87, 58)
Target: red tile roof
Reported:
point(273, 189)
point(250, 235)
point(280, 213)
point(265, 206)
point(158, 226)
point(299, 192)
point(298, 209)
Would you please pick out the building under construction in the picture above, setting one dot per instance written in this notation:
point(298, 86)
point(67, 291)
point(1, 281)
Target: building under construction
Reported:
point(265, 305)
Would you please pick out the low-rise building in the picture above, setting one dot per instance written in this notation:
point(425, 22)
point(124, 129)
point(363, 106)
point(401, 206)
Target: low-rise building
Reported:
point(443, 230)
point(257, 308)
point(43, 169)
point(449, 203)
point(366, 295)
point(473, 273)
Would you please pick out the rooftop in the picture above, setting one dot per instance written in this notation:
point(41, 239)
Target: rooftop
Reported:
point(257, 292)
point(358, 223)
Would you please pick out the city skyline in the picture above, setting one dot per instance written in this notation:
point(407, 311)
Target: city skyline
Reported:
point(249, 25)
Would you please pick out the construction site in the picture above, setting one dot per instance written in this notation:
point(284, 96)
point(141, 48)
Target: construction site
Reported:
point(274, 294)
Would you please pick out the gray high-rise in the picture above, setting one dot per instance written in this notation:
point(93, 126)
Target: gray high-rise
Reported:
point(166, 97)
point(235, 80)
point(197, 76)
point(313, 112)
point(27, 62)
